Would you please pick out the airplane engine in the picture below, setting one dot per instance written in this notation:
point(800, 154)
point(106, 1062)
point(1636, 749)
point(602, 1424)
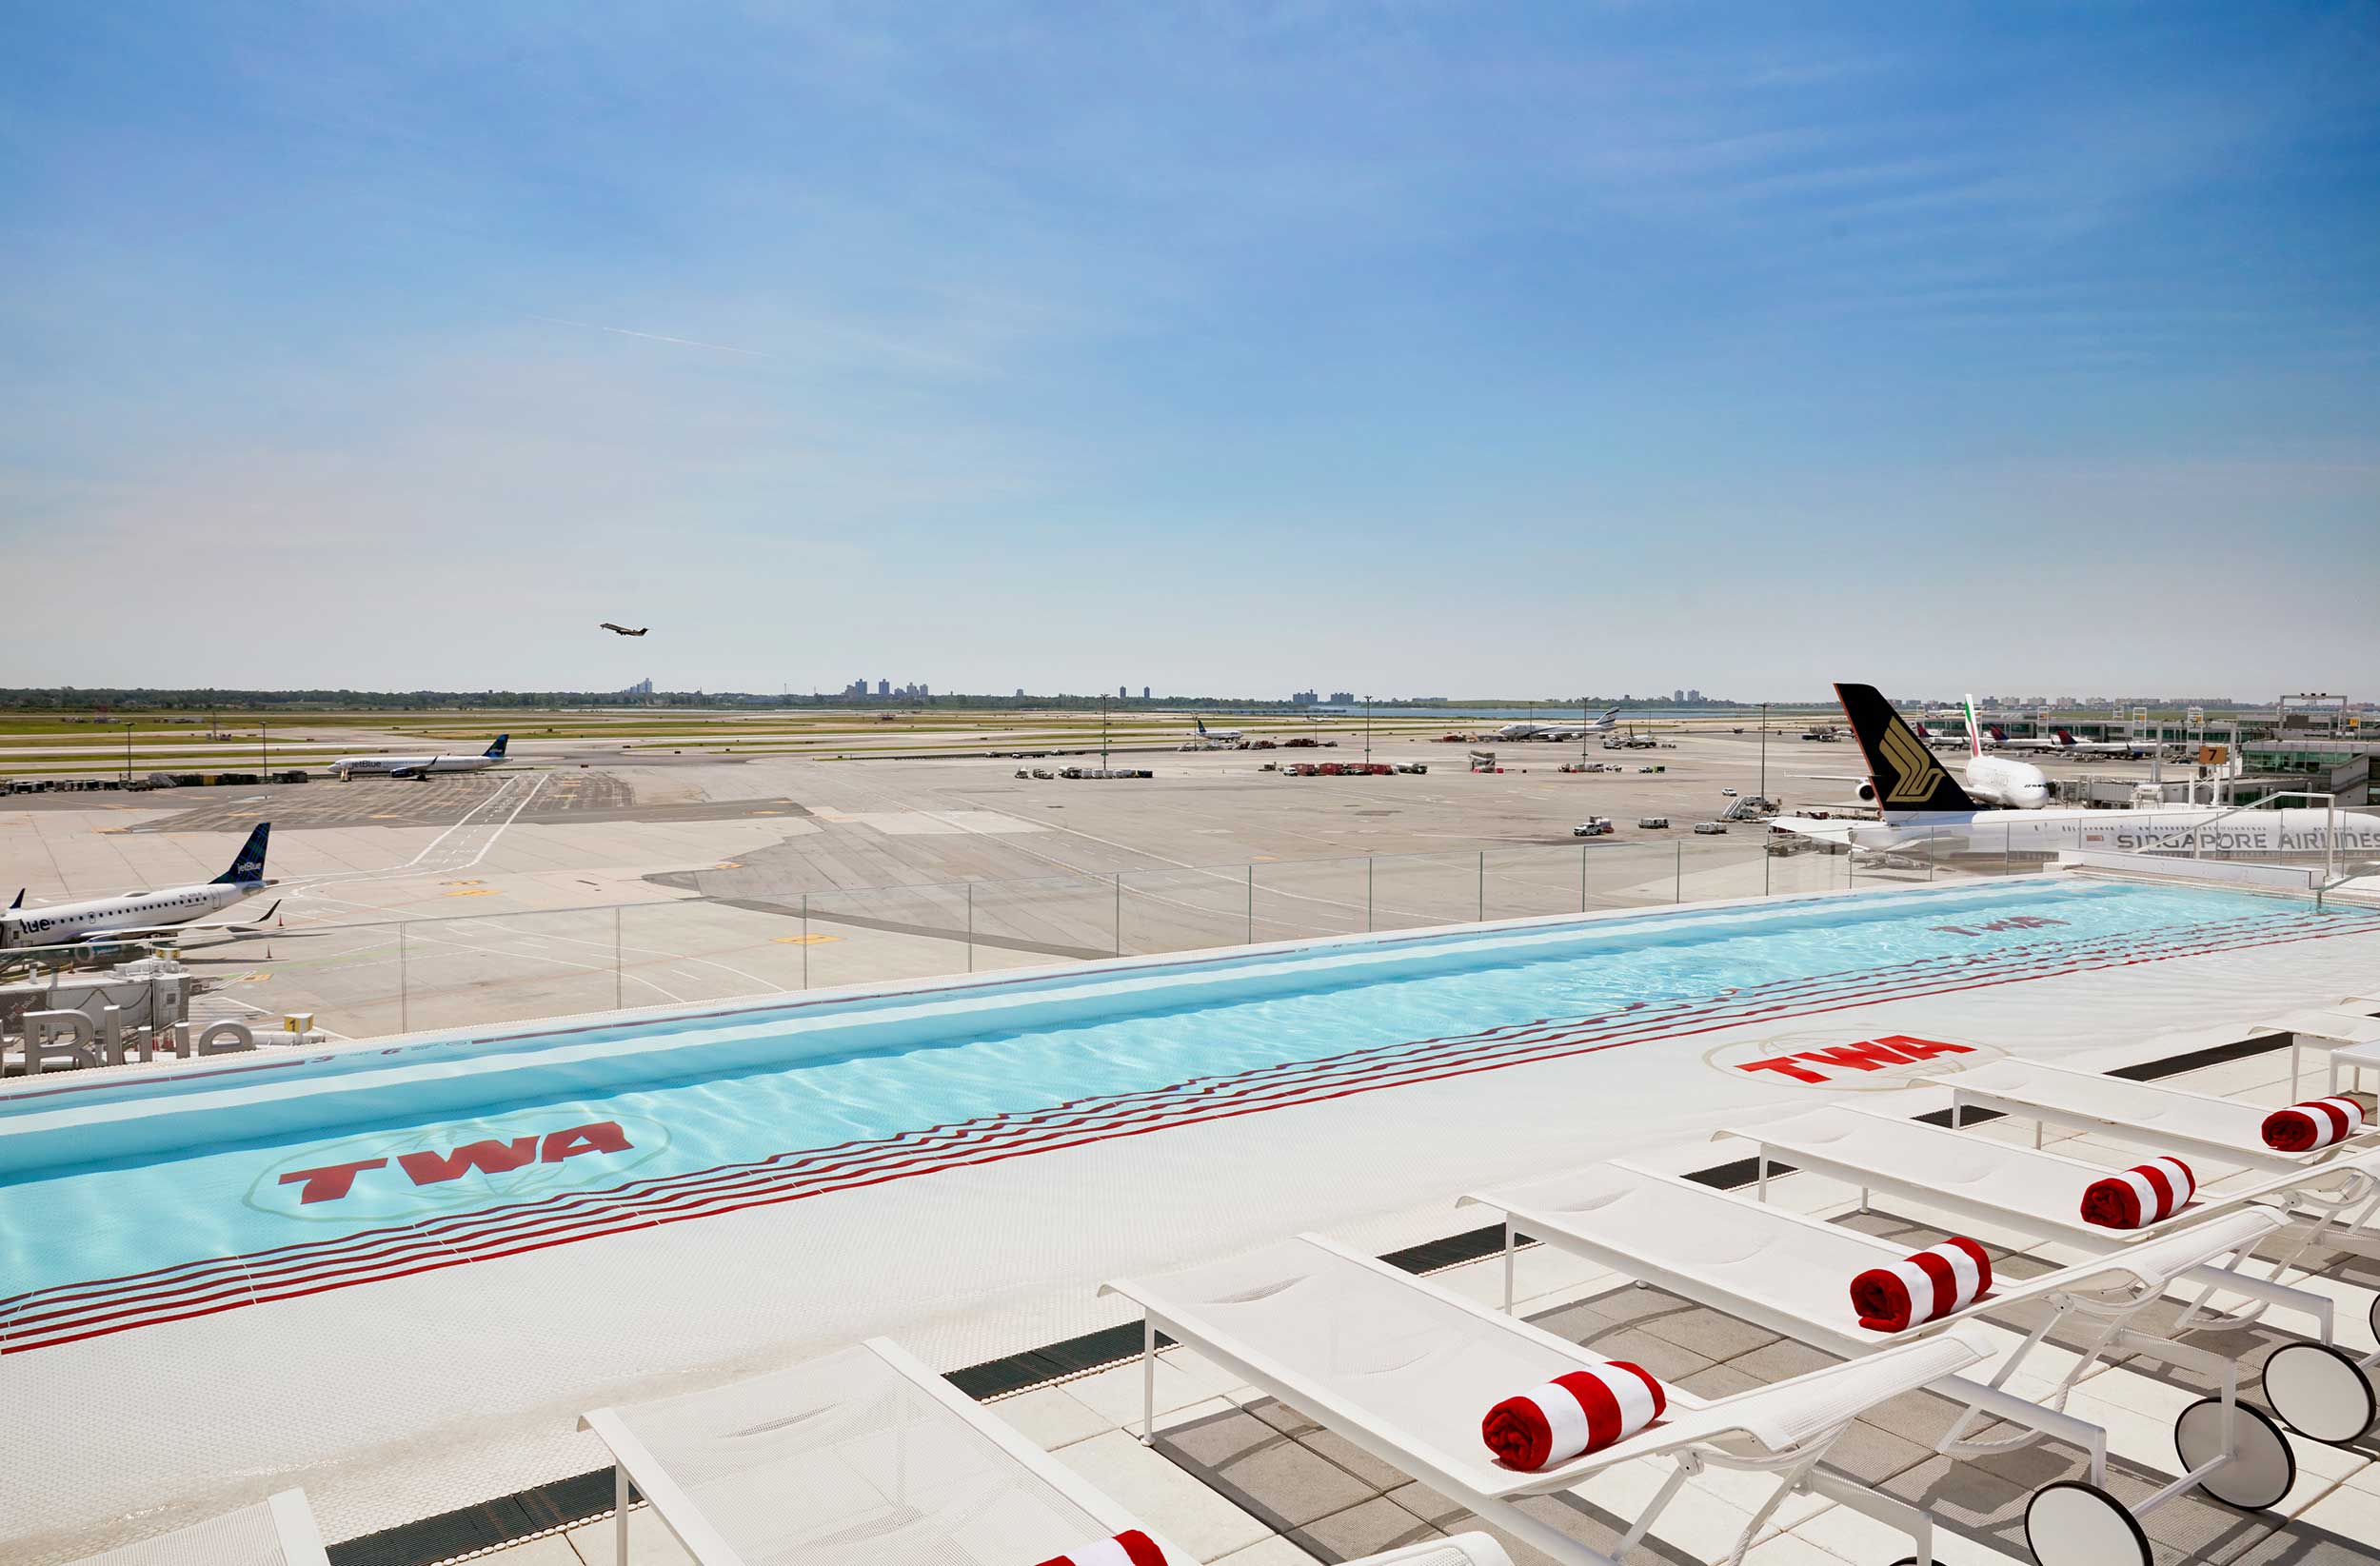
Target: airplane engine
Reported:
point(1866, 793)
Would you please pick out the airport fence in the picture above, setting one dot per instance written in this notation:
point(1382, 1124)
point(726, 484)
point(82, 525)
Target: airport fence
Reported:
point(751, 933)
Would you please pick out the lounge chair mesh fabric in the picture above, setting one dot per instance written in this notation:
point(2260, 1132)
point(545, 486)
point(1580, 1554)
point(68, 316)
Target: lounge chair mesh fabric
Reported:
point(246, 1537)
point(843, 1460)
point(2138, 1107)
point(1422, 1365)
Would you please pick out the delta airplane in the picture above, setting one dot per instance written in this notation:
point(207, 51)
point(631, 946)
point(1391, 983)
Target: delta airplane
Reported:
point(1922, 805)
point(418, 766)
point(2062, 743)
point(1560, 731)
point(143, 913)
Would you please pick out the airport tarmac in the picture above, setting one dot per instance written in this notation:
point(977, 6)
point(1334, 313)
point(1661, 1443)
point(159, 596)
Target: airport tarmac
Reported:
point(554, 886)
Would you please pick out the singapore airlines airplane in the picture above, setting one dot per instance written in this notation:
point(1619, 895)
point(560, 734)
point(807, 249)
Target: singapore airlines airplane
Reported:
point(418, 766)
point(1559, 731)
point(1922, 805)
point(143, 913)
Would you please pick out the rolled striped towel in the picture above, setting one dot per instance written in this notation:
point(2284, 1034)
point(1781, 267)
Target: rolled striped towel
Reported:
point(1129, 1548)
point(2301, 1128)
point(2143, 1194)
point(1935, 1281)
point(1584, 1411)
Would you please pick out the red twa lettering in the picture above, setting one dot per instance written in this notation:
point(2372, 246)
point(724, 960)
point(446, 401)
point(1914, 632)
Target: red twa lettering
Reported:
point(1783, 1065)
point(1871, 1055)
point(331, 1181)
point(1923, 1049)
point(489, 1158)
point(603, 1137)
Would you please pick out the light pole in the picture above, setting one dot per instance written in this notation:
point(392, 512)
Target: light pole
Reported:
point(127, 754)
point(1582, 732)
point(1102, 732)
point(1764, 754)
point(264, 743)
point(1367, 731)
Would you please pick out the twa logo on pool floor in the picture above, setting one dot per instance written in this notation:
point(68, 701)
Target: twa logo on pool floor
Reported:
point(412, 1174)
point(1830, 1060)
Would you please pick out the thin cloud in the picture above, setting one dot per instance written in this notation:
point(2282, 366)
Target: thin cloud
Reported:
point(650, 336)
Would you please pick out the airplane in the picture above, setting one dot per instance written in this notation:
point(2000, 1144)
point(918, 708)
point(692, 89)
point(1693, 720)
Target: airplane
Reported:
point(144, 913)
point(418, 766)
point(623, 629)
point(1560, 731)
point(2062, 743)
point(1938, 742)
point(1922, 806)
point(1224, 734)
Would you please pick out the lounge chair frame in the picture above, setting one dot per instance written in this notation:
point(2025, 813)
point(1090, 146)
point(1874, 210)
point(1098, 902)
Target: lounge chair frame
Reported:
point(1690, 1447)
point(2104, 1294)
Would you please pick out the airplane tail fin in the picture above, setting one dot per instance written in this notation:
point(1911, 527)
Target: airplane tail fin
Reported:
point(1974, 728)
point(2063, 738)
point(496, 751)
point(1906, 775)
point(248, 864)
point(1201, 723)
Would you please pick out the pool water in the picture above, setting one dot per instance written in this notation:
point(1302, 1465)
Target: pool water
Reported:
point(584, 1131)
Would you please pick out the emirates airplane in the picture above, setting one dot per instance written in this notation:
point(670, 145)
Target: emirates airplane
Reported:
point(1922, 805)
point(419, 766)
point(143, 913)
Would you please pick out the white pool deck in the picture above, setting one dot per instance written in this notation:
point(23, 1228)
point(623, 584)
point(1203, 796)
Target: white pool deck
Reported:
point(416, 1396)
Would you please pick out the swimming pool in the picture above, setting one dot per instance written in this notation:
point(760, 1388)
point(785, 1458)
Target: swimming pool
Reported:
point(148, 1196)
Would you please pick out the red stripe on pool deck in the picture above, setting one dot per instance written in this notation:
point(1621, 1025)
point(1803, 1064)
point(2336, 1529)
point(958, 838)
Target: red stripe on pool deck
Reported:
point(307, 1268)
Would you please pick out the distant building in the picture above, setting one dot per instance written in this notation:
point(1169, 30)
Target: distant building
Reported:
point(1123, 693)
point(883, 687)
point(1145, 693)
point(923, 694)
point(1693, 695)
point(643, 687)
point(1019, 693)
point(1302, 698)
point(1342, 697)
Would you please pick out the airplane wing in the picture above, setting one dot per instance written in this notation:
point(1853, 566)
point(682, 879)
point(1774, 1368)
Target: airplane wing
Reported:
point(1835, 831)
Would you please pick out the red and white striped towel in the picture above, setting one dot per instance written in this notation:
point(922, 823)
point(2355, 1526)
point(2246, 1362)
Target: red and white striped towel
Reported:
point(1935, 1281)
point(2301, 1128)
point(1584, 1411)
point(1129, 1548)
point(2145, 1193)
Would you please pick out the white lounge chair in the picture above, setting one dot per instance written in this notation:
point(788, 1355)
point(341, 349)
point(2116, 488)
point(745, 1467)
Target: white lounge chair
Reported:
point(2147, 1114)
point(1407, 1370)
point(1792, 1274)
point(2324, 1029)
point(277, 1531)
point(2357, 1058)
point(867, 1457)
point(2321, 1390)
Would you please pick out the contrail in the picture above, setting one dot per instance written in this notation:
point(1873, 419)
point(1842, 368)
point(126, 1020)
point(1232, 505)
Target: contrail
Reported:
point(650, 336)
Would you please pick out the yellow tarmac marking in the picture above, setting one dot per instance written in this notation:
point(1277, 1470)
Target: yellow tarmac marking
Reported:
point(485, 891)
point(804, 939)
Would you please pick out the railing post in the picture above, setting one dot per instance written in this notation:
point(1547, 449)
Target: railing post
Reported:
point(402, 1010)
point(1582, 877)
point(1482, 885)
point(805, 941)
point(970, 926)
point(1120, 913)
point(1367, 894)
point(615, 959)
point(1678, 887)
point(1251, 903)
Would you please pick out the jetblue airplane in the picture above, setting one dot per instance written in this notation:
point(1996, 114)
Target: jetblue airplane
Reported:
point(418, 766)
point(143, 913)
point(1227, 735)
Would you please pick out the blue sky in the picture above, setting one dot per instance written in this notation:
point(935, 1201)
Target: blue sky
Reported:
point(1229, 349)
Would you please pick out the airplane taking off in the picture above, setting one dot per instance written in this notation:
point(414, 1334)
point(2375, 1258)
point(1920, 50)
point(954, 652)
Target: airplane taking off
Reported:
point(1560, 731)
point(623, 630)
point(143, 913)
point(1923, 807)
point(418, 766)
point(1206, 733)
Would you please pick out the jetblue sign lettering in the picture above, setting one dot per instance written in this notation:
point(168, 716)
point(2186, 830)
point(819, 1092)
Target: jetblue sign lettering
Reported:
point(399, 1174)
point(1883, 1062)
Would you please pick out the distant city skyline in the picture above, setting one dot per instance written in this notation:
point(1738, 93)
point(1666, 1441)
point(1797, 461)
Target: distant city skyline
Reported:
point(1469, 348)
